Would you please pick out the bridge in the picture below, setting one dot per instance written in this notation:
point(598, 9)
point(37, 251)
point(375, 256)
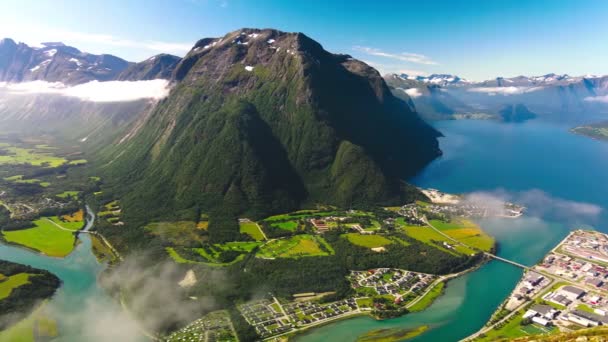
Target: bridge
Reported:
point(496, 257)
point(493, 256)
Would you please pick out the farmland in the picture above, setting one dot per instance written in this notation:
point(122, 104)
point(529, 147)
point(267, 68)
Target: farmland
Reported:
point(466, 232)
point(369, 241)
point(12, 155)
point(296, 246)
point(46, 237)
point(12, 282)
point(251, 229)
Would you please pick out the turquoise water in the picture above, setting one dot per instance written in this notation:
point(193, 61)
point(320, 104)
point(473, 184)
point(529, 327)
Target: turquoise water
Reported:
point(539, 163)
point(79, 304)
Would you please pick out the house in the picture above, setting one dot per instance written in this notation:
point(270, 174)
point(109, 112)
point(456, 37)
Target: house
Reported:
point(595, 282)
point(541, 321)
point(529, 314)
point(561, 299)
point(533, 279)
point(571, 292)
point(546, 311)
point(588, 318)
point(320, 225)
point(524, 290)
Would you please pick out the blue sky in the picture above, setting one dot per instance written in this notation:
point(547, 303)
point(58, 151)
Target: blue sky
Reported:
point(474, 39)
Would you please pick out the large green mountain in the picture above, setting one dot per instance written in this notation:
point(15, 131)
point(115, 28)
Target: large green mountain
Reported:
point(263, 121)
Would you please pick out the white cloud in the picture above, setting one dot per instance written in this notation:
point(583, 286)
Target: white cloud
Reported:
point(412, 92)
point(404, 56)
point(603, 99)
point(504, 90)
point(539, 204)
point(94, 91)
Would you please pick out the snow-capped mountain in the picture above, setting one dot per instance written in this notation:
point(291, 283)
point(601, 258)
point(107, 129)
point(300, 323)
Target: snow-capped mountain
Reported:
point(57, 62)
point(437, 79)
point(446, 96)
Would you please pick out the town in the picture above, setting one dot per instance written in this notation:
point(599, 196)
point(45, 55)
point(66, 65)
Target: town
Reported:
point(215, 326)
point(272, 318)
point(567, 290)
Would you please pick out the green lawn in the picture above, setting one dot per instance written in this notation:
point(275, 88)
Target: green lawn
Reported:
point(296, 246)
point(365, 302)
point(12, 282)
point(251, 229)
point(368, 241)
point(45, 237)
point(287, 225)
point(428, 299)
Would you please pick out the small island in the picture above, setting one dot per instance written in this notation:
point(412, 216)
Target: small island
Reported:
point(22, 290)
point(597, 131)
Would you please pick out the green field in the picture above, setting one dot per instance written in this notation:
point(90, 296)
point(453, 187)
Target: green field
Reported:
point(71, 225)
point(251, 229)
point(210, 260)
point(45, 237)
point(66, 194)
point(77, 162)
point(25, 156)
point(466, 232)
point(23, 331)
point(180, 233)
point(287, 225)
point(428, 299)
point(302, 214)
point(19, 180)
point(296, 246)
point(368, 241)
point(12, 282)
point(428, 235)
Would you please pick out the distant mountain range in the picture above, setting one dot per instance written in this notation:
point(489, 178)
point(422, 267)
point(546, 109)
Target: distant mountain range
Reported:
point(552, 96)
point(57, 62)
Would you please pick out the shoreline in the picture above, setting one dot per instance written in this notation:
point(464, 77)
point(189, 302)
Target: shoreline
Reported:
point(369, 314)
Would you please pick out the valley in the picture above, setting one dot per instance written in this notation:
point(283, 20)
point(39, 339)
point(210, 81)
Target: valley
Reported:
point(263, 188)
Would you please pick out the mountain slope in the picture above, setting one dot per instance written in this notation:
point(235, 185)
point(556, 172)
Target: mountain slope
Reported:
point(262, 121)
point(159, 66)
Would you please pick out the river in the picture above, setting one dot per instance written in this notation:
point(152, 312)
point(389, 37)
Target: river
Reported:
point(80, 303)
point(560, 176)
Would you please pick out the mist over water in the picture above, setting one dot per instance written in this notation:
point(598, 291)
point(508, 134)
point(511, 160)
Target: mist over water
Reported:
point(560, 177)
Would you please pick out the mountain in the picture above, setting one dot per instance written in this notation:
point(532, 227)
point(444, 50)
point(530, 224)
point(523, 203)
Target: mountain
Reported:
point(155, 67)
point(55, 62)
point(263, 121)
point(516, 113)
point(437, 79)
point(431, 101)
point(551, 96)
